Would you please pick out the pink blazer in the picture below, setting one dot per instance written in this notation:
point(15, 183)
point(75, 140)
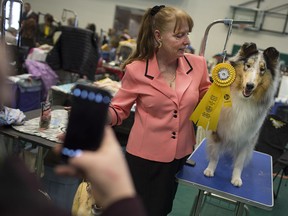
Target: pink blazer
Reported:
point(162, 130)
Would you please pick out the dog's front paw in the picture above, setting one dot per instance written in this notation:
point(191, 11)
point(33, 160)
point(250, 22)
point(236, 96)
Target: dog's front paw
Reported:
point(208, 172)
point(237, 182)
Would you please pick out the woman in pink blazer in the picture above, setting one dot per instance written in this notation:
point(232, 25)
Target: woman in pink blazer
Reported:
point(166, 84)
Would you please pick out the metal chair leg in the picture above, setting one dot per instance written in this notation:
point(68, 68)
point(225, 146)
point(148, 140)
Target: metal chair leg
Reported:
point(280, 182)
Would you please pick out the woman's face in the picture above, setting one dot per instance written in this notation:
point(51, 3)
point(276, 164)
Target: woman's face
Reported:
point(175, 43)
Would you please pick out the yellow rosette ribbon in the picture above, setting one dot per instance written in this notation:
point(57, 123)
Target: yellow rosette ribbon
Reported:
point(208, 110)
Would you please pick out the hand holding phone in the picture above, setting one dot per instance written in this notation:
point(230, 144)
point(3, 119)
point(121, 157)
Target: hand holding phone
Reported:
point(87, 119)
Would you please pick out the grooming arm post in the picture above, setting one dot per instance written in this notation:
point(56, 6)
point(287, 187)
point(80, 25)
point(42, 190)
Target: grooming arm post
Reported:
point(224, 21)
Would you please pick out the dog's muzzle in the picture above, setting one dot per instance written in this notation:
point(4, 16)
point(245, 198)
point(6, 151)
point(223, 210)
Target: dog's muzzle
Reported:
point(247, 92)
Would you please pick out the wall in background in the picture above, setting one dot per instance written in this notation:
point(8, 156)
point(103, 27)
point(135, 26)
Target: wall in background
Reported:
point(203, 12)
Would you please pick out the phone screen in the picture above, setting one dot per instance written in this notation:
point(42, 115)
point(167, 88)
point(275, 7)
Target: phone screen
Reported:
point(87, 119)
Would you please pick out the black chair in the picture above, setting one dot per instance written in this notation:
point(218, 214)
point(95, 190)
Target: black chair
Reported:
point(273, 140)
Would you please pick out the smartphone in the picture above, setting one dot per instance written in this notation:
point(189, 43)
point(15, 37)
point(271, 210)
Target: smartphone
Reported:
point(86, 120)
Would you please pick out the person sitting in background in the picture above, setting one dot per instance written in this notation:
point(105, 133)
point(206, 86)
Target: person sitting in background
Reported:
point(46, 31)
point(114, 44)
point(112, 35)
point(109, 46)
point(104, 40)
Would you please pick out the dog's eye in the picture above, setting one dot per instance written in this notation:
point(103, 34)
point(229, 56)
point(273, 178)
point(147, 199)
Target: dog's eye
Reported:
point(262, 70)
point(247, 66)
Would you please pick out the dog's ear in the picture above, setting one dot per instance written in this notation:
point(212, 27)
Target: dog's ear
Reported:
point(247, 49)
point(271, 56)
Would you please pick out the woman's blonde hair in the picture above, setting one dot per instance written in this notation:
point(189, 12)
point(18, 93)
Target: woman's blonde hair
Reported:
point(156, 20)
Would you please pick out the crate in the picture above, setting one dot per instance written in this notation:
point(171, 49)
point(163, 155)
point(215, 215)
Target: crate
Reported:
point(26, 93)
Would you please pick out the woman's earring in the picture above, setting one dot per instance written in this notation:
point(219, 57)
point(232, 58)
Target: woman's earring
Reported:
point(159, 44)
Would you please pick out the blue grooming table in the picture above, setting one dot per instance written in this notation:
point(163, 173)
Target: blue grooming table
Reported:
point(257, 188)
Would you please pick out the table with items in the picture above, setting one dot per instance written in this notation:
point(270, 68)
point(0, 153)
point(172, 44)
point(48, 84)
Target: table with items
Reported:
point(257, 188)
point(30, 132)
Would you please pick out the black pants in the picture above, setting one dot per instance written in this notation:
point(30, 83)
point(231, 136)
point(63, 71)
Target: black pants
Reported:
point(155, 183)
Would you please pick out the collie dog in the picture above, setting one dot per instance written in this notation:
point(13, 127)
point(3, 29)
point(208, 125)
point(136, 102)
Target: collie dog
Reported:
point(252, 94)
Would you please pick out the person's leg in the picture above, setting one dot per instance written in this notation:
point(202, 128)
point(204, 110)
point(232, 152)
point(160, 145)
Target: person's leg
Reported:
point(155, 183)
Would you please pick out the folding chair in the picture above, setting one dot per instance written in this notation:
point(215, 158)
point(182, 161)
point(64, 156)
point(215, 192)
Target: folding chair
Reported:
point(282, 162)
point(273, 140)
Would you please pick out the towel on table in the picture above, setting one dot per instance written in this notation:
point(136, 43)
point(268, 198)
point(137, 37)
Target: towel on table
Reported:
point(10, 116)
